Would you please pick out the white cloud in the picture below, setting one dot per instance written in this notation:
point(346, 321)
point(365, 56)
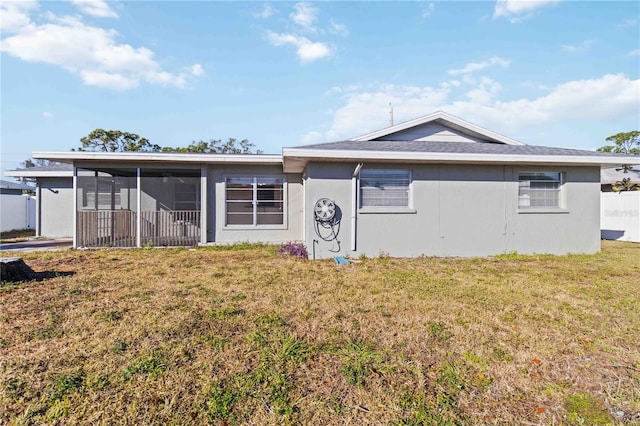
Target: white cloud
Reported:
point(305, 15)
point(633, 53)
point(337, 28)
point(361, 109)
point(196, 69)
point(47, 115)
point(477, 66)
point(580, 47)
point(628, 23)
point(312, 137)
point(609, 97)
point(518, 10)
point(15, 15)
point(108, 80)
point(307, 50)
point(98, 8)
point(428, 10)
point(90, 52)
point(266, 12)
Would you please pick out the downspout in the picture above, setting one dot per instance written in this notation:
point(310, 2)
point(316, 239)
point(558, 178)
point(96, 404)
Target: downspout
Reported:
point(204, 208)
point(354, 209)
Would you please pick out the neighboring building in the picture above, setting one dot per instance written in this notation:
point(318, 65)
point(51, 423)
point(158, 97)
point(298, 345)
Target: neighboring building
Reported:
point(610, 177)
point(17, 211)
point(435, 186)
point(54, 198)
point(619, 211)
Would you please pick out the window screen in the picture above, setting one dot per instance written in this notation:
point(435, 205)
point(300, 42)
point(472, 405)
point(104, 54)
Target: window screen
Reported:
point(255, 201)
point(539, 190)
point(384, 188)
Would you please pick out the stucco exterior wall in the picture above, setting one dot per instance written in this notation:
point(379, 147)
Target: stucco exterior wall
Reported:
point(56, 207)
point(457, 210)
point(218, 232)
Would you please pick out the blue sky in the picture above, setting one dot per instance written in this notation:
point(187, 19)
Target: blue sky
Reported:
point(554, 73)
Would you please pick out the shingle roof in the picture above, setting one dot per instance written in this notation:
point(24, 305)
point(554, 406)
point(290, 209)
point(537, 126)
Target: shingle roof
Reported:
point(51, 170)
point(5, 184)
point(612, 175)
point(454, 147)
point(56, 167)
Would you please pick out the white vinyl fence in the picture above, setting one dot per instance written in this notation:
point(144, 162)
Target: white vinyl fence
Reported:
point(620, 216)
point(17, 212)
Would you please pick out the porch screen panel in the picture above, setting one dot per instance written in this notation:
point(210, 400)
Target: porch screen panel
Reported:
point(170, 206)
point(106, 203)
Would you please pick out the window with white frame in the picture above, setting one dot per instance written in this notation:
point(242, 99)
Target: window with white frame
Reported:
point(255, 200)
point(539, 190)
point(384, 188)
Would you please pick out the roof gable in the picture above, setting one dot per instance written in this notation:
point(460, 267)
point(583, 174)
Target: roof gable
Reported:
point(438, 127)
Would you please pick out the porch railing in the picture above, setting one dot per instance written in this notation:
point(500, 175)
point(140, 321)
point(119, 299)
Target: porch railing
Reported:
point(117, 228)
point(170, 228)
point(106, 228)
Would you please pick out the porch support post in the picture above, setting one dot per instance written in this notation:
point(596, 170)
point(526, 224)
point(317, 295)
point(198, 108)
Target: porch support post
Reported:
point(203, 204)
point(75, 206)
point(39, 208)
point(138, 207)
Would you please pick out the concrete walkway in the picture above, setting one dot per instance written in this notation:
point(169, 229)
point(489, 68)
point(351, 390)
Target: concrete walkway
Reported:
point(38, 244)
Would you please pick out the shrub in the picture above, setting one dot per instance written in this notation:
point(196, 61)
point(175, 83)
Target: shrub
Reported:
point(298, 250)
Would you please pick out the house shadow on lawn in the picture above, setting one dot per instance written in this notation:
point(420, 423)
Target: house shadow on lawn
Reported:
point(13, 270)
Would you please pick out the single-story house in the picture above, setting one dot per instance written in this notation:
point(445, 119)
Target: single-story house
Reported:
point(17, 210)
point(435, 186)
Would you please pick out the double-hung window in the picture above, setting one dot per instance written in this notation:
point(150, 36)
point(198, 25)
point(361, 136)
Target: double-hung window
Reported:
point(255, 200)
point(384, 188)
point(539, 190)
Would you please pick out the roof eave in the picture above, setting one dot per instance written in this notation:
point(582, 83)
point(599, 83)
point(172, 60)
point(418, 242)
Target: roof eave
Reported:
point(155, 157)
point(295, 159)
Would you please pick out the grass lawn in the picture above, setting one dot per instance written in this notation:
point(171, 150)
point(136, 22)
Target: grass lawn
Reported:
point(241, 335)
point(16, 235)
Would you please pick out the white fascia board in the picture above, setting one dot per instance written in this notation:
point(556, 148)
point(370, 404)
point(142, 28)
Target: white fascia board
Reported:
point(300, 156)
point(160, 157)
point(35, 174)
point(438, 115)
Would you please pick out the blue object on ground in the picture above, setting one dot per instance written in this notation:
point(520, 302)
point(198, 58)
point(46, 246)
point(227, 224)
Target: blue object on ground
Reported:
point(341, 261)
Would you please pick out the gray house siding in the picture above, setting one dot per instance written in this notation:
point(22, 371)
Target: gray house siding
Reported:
point(55, 199)
point(457, 210)
point(430, 132)
point(219, 232)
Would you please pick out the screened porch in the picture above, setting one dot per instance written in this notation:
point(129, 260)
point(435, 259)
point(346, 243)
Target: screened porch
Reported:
point(134, 207)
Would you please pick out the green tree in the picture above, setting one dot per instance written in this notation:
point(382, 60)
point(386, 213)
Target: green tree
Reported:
point(623, 143)
point(216, 146)
point(116, 141)
point(625, 184)
point(37, 162)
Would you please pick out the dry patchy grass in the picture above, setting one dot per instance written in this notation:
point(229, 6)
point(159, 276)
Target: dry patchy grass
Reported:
point(16, 235)
point(235, 336)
